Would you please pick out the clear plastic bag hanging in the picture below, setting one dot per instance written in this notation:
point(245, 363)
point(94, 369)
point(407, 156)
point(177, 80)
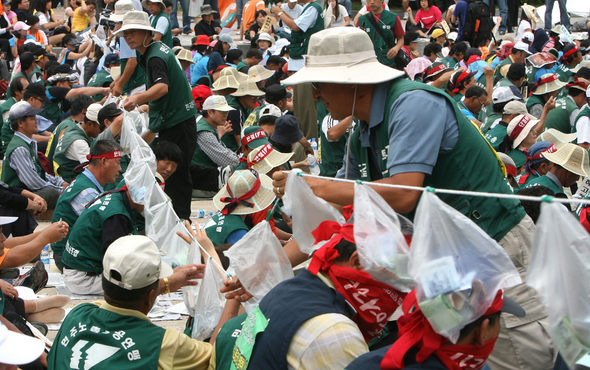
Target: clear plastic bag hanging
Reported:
point(210, 302)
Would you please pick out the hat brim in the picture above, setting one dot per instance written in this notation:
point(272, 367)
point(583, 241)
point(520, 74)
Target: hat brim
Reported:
point(209, 12)
point(555, 157)
point(223, 108)
point(549, 87)
point(261, 200)
point(5, 220)
point(13, 352)
point(116, 18)
point(524, 133)
point(511, 307)
point(134, 27)
point(165, 270)
point(560, 136)
point(187, 60)
point(264, 75)
point(274, 159)
point(248, 93)
point(352, 74)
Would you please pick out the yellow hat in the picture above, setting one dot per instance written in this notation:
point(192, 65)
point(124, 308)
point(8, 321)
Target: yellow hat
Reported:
point(437, 33)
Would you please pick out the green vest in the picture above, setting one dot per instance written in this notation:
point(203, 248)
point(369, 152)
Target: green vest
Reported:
point(559, 117)
point(585, 112)
point(242, 65)
point(506, 61)
point(489, 120)
point(101, 78)
point(564, 72)
point(471, 165)
point(92, 337)
point(178, 104)
point(167, 37)
point(137, 78)
point(59, 130)
point(496, 135)
point(63, 209)
point(224, 225)
point(518, 156)
point(228, 139)
point(200, 158)
point(504, 82)
point(67, 165)
point(83, 251)
point(534, 100)
point(331, 152)
point(299, 39)
point(457, 97)
point(547, 182)
point(6, 131)
point(9, 176)
point(226, 340)
point(381, 46)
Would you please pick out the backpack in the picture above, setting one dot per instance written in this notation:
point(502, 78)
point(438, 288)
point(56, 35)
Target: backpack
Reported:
point(478, 24)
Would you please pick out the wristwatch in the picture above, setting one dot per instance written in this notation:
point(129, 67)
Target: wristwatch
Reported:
point(279, 15)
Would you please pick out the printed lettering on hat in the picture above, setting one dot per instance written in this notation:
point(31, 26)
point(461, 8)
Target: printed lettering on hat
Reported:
point(519, 127)
point(262, 153)
point(253, 136)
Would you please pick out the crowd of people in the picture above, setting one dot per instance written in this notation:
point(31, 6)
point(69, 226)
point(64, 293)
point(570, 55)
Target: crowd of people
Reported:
point(430, 97)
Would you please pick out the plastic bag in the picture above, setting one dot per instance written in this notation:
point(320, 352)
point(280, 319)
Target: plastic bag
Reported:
point(259, 262)
point(559, 270)
point(457, 267)
point(308, 212)
point(210, 302)
point(381, 246)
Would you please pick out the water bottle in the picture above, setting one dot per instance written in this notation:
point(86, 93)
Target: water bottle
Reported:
point(45, 257)
point(313, 165)
point(314, 146)
point(201, 213)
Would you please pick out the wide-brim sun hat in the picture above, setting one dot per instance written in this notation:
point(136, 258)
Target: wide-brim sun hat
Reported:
point(231, 71)
point(519, 127)
point(570, 156)
point(549, 82)
point(239, 184)
point(265, 158)
point(135, 20)
point(225, 82)
point(161, 2)
point(557, 137)
point(185, 55)
point(248, 88)
point(17, 348)
point(584, 63)
point(122, 7)
point(259, 73)
point(264, 36)
point(342, 55)
point(530, 12)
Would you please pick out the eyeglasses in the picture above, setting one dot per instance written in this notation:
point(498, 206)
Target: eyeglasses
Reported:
point(315, 85)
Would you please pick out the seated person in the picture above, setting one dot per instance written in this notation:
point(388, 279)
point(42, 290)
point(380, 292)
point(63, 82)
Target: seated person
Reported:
point(103, 167)
point(134, 275)
point(73, 145)
point(253, 57)
point(21, 166)
point(103, 77)
point(168, 157)
point(207, 25)
point(21, 203)
point(254, 29)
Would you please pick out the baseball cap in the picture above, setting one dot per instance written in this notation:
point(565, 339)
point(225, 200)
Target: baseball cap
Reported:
point(37, 90)
point(22, 109)
point(287, 130)
point(453, 36)
point(17, 348)
point(521, 46)
point(508, 163)
point(92, 111)
point(21, 26)
point(5, 220)
point(437, 33)
point(515, 107)
point(134, 262)
point(503, 94)
point(226, 38)
point(200, 93)
point(270, 110)
point(216, 102)
point(112, 58)
point(253, 137)
point(108, 111)
point(276, 93)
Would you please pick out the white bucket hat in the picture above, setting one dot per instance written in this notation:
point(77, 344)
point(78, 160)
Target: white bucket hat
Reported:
point(570, 156)
point(266, 37)
point(238, 185)
point(185, 55)
point(270, 110)
point(259, 73)
point(342, 55)
point(121, 8)
point(548, 82)
point(557, 137)
point(248, 88)
point(135, 20)
point(225, 82)
point(265, 158)
point(519, 127)
point(216, 102)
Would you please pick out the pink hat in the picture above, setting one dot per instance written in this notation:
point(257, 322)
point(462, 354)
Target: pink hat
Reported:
point(21, 26)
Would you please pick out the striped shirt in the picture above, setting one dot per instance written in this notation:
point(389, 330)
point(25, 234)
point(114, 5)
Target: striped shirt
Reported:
point(216, 151)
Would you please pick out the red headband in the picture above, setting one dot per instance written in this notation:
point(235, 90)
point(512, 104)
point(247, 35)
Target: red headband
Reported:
point(569, 52)
point(550, 149)
point(264, 151)
point(473, 58)
point(233, 202)
point(108, 155)
point(460, 79)
point(253, 136)
point(543, 81)
point(519, 127)
point(432, 71)
point(578, 83)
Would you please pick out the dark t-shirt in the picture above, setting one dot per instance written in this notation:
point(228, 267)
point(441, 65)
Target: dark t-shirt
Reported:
point(203, 28)
point(158, 71)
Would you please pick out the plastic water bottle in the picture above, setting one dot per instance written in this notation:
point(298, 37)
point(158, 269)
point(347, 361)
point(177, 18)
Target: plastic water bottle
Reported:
point(45, 257)
point(314, 146)
point(201, 213)
point(313, 165)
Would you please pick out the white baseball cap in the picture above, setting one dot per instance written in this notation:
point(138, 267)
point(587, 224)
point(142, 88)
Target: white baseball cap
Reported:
point(270, 110)
point(522, 47)
point(92, 111)
point(216, 102)
point(17, 348)
point(134, 262)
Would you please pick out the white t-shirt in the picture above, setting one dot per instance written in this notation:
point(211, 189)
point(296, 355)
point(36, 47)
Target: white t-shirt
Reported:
point(293, 13)
point(162, 25)
point(342, 13)
point(522, 27)
point(583, 129)
point(42, 18)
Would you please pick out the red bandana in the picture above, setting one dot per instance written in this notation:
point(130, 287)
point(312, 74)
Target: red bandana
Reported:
point(579, 83)
point(511, 170)
point(568, 53)
point(109, 155)
point(373, 301)
point(233, 202)
point(253, 136)
point(543, 81)
point(460, 79)
point(415, 331)
point(264, 151)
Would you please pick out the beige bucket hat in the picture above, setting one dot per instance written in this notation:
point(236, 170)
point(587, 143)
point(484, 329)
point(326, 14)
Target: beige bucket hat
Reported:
point(231, 71)
point(135, 20)
point(161, 2)
point(570, 156)
point(185, 55)
point(238, 185)
point(121, 8)
point(519, 127)
point(248, 88)
point(548, 82)
point(531, 12)
point(265, 158)
point(556, 137)
point(259, 73)
point(225, 82)
point(342, 55)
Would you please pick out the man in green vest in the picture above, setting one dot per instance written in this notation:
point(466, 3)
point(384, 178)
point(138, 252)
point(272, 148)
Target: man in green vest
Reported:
point(160, 21)
point(21, 167)
point(74, 144)
point(243, 101)
point(18, 89)
point(572, 56)
point(563, 116)
point(171, 110)
point(413, 134)
point(456, 55)
point(385, 30)
point(582, 125)
point(210, 153)
point(519, 53)
point(103, 77)
point(116, 333)
point(103, 167)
